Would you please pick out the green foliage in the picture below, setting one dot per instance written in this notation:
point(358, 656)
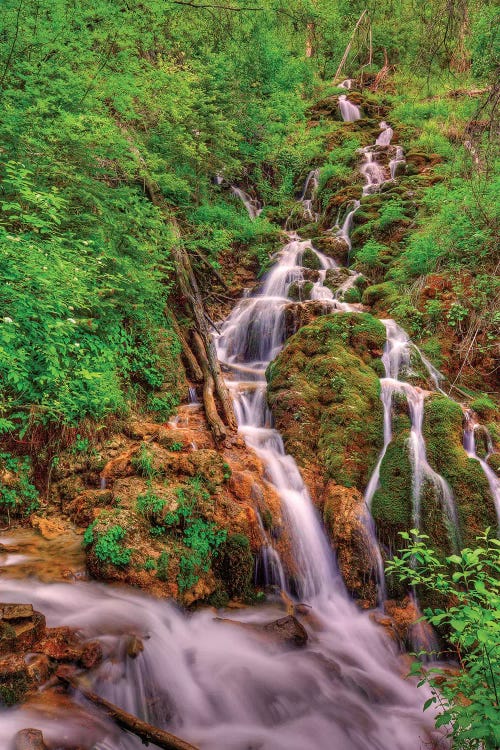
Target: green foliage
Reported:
point(18, 496)
point(151, 506)
point(470, 581)
point(143, 462)
point(107, 545)
point(162, 566)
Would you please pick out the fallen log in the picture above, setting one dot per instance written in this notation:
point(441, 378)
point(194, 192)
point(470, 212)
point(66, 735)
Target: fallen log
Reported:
point(146, 732)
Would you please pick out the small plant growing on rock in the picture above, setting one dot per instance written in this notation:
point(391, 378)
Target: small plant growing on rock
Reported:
point(142, 462)
point(162, 566)
point(107, 545)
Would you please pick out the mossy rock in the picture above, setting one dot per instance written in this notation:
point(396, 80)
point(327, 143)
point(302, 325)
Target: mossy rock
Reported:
point(309, 259)
point(380, 294)
point(392, 503)
point(443, 432)
point(325, 396)
point(300, 291)
point(234, 565)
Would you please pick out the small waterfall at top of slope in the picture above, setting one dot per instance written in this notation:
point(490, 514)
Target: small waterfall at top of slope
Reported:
point(469, 442)
point(252, 205)
point(385, 136)
point(349, 111)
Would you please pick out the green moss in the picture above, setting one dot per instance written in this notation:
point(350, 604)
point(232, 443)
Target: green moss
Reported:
point(310, 260)
point(384, 294)
point(443, 432)
point(325, 395)
point(392, 503)
point(484, 406)
point(234, 565)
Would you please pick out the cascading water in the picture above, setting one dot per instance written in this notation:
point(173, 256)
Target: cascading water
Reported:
point(394, 164)
point(396, 356)
point(213, 683)
point(308, 193)
point(349, 111)
point(469, 442)
point(252, 205)
point(385, 136)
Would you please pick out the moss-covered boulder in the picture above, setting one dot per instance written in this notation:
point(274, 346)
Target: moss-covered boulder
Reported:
point(325, 396)
point(392, 502)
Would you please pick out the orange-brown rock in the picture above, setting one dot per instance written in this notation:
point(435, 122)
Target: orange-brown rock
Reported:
point(347, 519)
point(49, 528)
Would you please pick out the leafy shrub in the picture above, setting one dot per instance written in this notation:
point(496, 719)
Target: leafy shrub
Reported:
point(18, 496)
point(467, 701)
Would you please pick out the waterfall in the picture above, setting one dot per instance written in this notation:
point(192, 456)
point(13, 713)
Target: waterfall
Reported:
point(308, 194)
point(345, 230)
point(385, 136)
point(349, 111)
point(252, 205)
point(396, 356)
point(253, 336)
point(399, 158)
point(469, 443)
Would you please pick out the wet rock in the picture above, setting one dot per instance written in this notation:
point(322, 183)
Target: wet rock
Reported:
point(287, 631)
point(335, 247)
point(38, 669)
point(84, 508)
point(7, 637)
point(347, 519)
point(29, 739)
point(178, 439)
point(141, 430)
point(15, 611)
point(91, 655)
point(135, 646)
point(63, 645)
point(13, 679)
point(29, 631)
point(48, 527)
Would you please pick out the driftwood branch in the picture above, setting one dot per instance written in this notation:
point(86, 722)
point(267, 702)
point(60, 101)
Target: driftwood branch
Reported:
point(146, 732)
point(349, 45)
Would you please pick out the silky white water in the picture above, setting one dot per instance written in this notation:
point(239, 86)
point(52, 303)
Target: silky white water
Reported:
point(252, 205)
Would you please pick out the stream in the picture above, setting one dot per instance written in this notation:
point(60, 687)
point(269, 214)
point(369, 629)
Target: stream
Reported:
point(215, 684)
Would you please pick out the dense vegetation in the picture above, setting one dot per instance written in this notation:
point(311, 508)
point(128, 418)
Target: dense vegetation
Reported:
point(472, 629)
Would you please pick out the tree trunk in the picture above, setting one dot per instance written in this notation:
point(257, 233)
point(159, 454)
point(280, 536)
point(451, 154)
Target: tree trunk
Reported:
point(214, 421)
point(192, 362)
point(189, 288)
